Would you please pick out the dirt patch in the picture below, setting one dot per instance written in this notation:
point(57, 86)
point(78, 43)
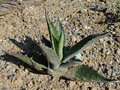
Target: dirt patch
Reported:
point(80, 18)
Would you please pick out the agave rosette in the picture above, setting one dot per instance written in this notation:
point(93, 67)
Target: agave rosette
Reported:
point(58, 60)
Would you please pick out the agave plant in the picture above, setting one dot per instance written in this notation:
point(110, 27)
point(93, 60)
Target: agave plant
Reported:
point(60, 60)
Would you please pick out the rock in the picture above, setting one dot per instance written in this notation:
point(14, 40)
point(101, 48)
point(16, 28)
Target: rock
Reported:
point(34, 79)
point(1, 40)
point(84, 87)
point(74, 38)
point(9, 68)
point(115, 68)
point(94, 88)
point(117, 36)
point(30, 84)
point(114, 74)
point(118, 51)
point(118, 39)
point(12, 77)
point(111, 27)
point(90, 0)
point(17, 37)
point(109, 72)
point(72, 85)
point(111, 42)
point(62, 80)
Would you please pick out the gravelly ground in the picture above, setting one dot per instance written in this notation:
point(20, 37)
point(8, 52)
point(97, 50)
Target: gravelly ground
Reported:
point(80, 19)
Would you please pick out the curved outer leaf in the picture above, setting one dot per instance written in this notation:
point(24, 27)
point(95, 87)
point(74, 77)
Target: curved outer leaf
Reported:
point(54, 36)
point(60, 29)
point(51, 56)
point(61, 40)
point(72, 63)
point(29, 61)
point(54, 44)
point(54, 72)
point(84, 73)
point(69, 64)
point(60, 46)
point(82, 45)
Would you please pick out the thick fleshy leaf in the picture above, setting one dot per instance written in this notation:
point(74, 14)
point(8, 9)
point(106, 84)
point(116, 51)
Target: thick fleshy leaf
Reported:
point(29, 61)
point(54, 44)
point(54, 72)
point(52, 28)
point(84, 73)
point(54, 36)
point(82, 45)
point(51, 56)
point(71, 63)
point(60, 29)
point(60, 46)
point(65, 66)
point(61, 39)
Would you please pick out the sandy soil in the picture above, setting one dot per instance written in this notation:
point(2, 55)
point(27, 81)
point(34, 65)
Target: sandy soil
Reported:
point(80, 18)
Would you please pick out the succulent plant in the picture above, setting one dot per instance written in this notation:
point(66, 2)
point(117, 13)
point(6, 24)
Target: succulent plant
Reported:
point(59, 60)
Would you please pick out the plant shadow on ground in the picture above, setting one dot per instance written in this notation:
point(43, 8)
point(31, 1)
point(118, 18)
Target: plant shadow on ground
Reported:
point(31, 49)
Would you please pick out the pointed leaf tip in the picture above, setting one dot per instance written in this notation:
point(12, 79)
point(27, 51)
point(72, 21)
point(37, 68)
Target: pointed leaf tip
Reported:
point(85, 73)
point(82, 45)
point(52, 28)
point(29, 61)
point(60, 46)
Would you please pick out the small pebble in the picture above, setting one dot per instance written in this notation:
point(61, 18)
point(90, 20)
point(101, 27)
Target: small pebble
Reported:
point(111, 42)
point(62, 80)
point(29, 84)
point(12, 77)
point(72, 84)
point(111, 27)
point(117, 34)
point(113, 74)
point(10, 69)
point(118, 51)
point(109, 72)
point(118, 39)
point(115, 68)
point(34, 79)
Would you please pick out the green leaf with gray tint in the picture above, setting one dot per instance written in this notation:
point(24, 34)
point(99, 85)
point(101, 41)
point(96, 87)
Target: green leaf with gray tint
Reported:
point(69, 64)
point(51, 56)
point(54, 36)
point(60, 46)
point(29, 61)
point(54, 73)
point(82, 45)
point(54, 44)
point(84, 73)
point(52, 29)
point(60, 29)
